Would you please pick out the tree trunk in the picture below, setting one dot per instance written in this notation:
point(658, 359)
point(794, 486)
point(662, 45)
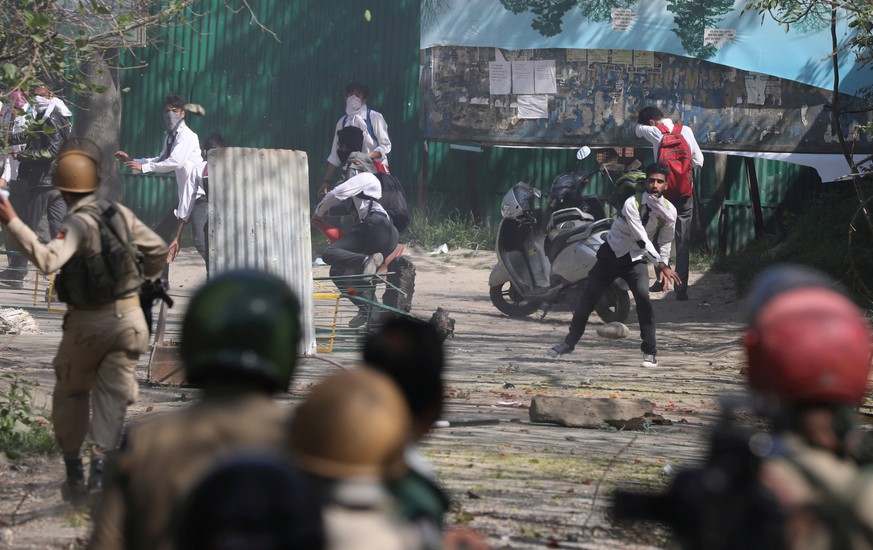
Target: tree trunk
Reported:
point(99, 117)
point(848, 150)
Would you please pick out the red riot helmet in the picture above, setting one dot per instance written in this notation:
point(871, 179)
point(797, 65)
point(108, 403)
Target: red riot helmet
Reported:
point(807, 343)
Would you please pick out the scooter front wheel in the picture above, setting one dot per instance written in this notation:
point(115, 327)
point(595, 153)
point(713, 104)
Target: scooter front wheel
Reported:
point(509, 301)
point(614, 305)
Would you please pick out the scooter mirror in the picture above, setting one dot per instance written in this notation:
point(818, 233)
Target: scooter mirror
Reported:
point(583, 152)
point(537, 193)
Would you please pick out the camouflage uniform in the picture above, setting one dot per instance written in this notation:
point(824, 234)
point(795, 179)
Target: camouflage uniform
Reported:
point(101, 343)
point(164, 457)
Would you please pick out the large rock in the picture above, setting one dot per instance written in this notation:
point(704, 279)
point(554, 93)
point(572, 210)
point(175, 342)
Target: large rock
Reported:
point(578, 412)
point(614, 330)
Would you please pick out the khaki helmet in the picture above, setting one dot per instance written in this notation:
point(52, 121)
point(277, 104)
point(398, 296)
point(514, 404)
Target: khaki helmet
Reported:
point(77, 168)
point(353, 424)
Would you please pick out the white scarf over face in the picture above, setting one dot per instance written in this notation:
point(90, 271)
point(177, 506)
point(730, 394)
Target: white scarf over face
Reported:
point(657, 206)
point(354, 106)
point(46, 106)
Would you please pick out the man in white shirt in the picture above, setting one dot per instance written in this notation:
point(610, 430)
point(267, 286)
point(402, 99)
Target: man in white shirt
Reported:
point(181, 154)
point(374, 237)
point(629, 245)
point(377, 144)
point(647, 127)
point(47, 129)
point(14, 121)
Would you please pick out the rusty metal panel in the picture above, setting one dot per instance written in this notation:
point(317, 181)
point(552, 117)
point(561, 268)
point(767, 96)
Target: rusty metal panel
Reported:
point(259, 219)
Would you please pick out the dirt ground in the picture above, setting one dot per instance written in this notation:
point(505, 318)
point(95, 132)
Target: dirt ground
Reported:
point(524, 485)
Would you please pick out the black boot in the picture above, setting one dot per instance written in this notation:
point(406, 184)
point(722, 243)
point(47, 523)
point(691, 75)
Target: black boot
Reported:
point(73, 490)
point(95, 480)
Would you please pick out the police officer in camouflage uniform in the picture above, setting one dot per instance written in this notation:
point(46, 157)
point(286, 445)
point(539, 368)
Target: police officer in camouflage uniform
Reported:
point(239, 343)
point(104, 330)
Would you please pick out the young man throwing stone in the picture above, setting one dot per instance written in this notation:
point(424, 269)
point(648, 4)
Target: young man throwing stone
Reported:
point(644, 218)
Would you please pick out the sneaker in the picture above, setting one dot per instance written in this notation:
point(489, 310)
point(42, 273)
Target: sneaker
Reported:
point(649, 360)
point(358, 320)
point(561, 348)
point(657, 287)
point(372, 263)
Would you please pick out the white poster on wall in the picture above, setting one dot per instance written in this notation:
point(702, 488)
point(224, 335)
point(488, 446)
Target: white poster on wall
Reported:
point(533, 106)
point(500, 75)
point(544, 77)
point(523, 77)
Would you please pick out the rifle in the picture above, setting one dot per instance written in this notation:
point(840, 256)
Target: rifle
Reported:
point(721, 505)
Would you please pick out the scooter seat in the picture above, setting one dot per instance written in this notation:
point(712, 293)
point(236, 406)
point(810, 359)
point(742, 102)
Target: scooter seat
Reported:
point(575, 233)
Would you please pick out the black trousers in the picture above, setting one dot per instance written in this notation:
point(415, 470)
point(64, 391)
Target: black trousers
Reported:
point(36, 203)
point(682, 240)
point(347, 254)
point(607, 269)
point(198, 222)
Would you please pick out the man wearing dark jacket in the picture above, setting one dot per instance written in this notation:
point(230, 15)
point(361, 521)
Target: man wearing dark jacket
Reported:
point(44, 137)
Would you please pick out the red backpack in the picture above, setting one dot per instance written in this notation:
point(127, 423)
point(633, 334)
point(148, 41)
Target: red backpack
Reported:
point(675, 153)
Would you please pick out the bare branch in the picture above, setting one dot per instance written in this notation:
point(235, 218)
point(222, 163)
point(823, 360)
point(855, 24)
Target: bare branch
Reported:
point(253, 18)
point(140, 23)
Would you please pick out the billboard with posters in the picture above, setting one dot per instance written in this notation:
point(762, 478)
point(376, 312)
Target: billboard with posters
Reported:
point(560, 72)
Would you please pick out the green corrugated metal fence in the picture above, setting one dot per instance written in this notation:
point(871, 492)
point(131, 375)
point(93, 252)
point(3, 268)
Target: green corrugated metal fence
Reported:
point(476, 182)
point(285, 92)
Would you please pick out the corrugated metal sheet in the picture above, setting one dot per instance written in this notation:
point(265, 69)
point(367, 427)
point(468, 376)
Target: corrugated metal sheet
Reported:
point(259, 218)
point(285, 92)
point(154, 195)
point(463, 181)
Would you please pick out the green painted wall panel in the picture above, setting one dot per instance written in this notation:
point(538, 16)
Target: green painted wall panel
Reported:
point(287, 93)
point(723, 196)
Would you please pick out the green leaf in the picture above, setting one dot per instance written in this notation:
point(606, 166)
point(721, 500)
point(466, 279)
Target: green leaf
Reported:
point(10, 71)
point(40, 21)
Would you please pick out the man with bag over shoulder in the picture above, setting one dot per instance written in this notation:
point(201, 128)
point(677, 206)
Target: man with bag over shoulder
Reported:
point(652, 125)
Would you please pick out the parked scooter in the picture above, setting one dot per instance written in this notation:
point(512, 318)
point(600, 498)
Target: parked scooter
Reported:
point(547, 269)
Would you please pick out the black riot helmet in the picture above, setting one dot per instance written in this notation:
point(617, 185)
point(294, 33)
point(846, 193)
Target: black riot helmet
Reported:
point(251, 500)
point(242, 327)
point(565, 191)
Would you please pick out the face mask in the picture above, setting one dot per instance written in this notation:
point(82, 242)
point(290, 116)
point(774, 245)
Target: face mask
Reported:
point(171, 121)
point(353, 104)
point(41, 103)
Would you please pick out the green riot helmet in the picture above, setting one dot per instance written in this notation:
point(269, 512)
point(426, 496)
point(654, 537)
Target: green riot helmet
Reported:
point(242, 327)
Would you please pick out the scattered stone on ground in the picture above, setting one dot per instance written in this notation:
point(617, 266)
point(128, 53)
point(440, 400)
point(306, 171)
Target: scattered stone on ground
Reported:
point(614, 330)
point(16, 321)
point(581, 412)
